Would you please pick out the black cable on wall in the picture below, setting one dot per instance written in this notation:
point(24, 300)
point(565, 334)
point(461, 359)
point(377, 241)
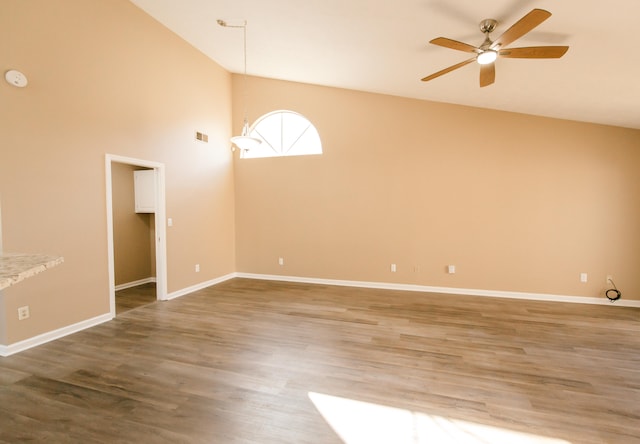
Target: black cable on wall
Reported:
point(613, 294)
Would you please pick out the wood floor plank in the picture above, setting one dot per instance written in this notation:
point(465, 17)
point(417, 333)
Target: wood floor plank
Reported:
point(135, 297)
point(241, 362)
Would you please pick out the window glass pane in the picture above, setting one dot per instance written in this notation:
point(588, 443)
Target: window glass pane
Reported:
point(284, 133)
point(269, 131)
point(308, 143)
point(293, 126)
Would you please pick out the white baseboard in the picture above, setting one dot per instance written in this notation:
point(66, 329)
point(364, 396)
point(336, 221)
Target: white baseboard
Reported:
point(135, 283)
point(445, 290)
point(200, 286)
point(7, 350)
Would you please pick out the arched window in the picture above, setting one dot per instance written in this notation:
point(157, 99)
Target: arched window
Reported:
point(284, 133)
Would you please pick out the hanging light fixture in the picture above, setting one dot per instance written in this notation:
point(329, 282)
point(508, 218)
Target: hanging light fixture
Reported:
point(243, 142)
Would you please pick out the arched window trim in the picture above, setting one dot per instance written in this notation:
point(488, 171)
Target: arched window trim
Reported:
point(281, 150)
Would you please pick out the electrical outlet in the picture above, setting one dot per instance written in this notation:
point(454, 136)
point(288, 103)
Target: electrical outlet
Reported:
point(393, 268)
point(280, 261)
point(451, 269)
point(197, 268)
point(23, 313)
point(583, 277)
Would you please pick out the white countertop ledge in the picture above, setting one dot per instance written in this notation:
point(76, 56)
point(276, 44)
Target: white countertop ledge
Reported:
point(16, 267)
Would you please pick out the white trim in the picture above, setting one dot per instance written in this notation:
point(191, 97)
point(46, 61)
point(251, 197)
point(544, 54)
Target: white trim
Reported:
point(160, 226)
point(446, 290)
point(161, 235)
point(132, 284)
point(7, 350)
point(200, 286)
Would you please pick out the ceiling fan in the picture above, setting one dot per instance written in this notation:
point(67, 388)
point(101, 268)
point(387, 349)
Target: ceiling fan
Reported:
point(489, 51)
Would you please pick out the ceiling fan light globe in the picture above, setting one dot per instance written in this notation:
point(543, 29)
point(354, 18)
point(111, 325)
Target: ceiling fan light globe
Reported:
point(487, 56)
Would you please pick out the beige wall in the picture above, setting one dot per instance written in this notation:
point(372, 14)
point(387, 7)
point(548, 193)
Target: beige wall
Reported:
point(105, 78)
point(132, 238)
point(152, 244)
point(517, 203)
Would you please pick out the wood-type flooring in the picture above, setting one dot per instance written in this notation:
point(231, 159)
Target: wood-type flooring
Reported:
point(251, 361)
point(135, 297)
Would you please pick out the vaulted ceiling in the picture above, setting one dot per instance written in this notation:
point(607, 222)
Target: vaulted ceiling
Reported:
point(382, 46)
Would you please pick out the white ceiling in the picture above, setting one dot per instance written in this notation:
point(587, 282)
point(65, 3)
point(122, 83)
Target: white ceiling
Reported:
point(382, 46)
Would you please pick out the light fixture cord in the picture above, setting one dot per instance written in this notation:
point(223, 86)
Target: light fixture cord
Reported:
point(245, 123)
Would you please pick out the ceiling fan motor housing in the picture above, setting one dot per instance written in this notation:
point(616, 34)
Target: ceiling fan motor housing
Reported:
point(488, 25)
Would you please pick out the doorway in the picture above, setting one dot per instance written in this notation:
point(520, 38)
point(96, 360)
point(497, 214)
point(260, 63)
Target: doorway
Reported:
point(156, 228)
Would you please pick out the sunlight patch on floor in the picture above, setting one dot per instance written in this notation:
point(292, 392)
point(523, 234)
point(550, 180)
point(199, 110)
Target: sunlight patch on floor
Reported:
point(358, 422)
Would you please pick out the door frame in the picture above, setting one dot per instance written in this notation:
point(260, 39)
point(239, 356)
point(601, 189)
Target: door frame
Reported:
point(160, 227)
